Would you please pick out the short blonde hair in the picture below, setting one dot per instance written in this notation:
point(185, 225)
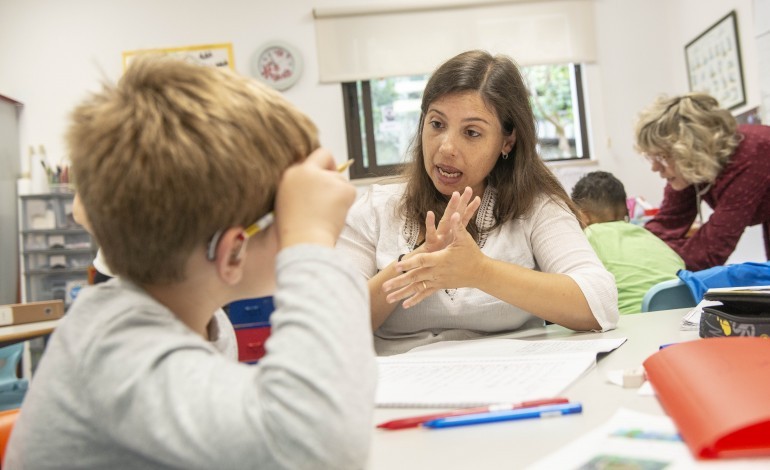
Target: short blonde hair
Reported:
point(174, 152)
point(692, 130)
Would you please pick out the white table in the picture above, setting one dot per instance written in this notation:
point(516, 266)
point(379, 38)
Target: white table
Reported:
point(15, 333)
point(515, 444)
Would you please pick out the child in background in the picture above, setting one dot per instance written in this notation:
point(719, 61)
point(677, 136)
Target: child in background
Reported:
point(637, 258)
point(174, 165)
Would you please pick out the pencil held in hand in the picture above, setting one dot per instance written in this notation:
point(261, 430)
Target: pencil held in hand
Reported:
point(312, 201)
point(345, 166)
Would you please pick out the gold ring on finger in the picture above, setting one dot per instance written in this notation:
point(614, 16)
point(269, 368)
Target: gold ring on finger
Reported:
point(424, 286)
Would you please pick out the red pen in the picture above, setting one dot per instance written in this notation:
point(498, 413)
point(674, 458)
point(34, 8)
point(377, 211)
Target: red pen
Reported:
point(415, 421)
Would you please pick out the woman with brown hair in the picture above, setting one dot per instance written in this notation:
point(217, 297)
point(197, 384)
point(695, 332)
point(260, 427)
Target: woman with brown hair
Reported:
point(508, 251)
point(703, 154)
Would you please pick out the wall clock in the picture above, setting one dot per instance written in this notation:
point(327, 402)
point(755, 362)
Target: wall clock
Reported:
point(277, 64)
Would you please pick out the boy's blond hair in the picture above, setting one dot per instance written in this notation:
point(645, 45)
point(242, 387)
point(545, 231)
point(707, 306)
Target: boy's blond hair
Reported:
point(693, 131)
point(174, 152)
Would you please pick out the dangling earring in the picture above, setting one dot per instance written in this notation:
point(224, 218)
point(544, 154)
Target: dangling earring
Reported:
point(505, 156)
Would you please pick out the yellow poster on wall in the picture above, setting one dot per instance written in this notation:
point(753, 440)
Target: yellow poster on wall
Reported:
point(214, 55)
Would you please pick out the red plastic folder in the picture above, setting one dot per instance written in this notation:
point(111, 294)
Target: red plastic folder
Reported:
point(717, 392)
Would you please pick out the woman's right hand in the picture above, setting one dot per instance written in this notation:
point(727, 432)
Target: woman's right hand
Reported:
point(439, 237)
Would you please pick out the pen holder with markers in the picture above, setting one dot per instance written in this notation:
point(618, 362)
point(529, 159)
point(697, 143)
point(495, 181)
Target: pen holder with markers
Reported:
point(61, 188)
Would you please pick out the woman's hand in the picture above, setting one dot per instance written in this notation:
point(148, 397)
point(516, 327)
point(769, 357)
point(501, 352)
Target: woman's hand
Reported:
point(450, 267)
point(460, 208)
point(438, 237)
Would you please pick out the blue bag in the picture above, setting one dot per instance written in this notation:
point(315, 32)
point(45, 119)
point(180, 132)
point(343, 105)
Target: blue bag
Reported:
point(732, 275)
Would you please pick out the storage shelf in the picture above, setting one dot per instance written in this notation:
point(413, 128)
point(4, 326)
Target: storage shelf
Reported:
point(39, 272)
point(57, 251)
point(48, 196)
point(53, 231)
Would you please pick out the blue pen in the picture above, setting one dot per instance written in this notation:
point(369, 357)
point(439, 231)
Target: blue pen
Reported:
point(545, 411)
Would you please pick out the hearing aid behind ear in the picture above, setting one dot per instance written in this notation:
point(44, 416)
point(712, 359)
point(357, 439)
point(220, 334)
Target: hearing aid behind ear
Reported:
point(235, 254)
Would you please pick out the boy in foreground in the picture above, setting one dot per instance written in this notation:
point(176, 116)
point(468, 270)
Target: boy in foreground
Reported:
point(174, 165)
point(635, 256)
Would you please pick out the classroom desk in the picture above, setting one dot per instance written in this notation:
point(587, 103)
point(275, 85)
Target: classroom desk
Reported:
point(515, 444)
point(15, 333)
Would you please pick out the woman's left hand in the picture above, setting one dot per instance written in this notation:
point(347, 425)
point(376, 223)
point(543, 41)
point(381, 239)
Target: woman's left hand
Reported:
point(425, 273)
point(439, 237)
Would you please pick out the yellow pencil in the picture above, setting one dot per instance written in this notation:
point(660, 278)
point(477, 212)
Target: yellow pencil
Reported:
point(345, 166)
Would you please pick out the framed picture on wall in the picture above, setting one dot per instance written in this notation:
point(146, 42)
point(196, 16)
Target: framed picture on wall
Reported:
point(214, 55)
point(714, 63)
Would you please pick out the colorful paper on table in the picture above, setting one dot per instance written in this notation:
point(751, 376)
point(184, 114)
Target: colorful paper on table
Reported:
point(717, 391)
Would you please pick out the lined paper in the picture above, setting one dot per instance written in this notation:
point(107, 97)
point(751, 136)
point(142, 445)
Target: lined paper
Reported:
point(485, 372)
point(462, 382)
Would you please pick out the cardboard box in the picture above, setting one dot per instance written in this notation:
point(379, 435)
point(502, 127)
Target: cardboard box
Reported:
point(30, 312)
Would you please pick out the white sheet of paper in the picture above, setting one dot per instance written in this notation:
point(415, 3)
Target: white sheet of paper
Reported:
point(691, 320)
point(515, 347)
point(485, 371)
point(447, 382)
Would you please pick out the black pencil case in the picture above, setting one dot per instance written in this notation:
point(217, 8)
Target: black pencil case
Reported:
point(742, 313)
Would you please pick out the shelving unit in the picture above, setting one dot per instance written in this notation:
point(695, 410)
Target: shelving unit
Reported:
point(55, 251)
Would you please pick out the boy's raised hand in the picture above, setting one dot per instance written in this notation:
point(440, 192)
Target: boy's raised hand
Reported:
point(312, 202)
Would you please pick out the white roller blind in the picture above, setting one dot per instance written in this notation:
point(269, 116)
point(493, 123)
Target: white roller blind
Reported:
point(366, 43)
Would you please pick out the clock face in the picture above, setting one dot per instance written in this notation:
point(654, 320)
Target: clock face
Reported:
point(277, 64)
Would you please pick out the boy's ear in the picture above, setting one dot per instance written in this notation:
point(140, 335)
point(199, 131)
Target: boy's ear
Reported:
point(229, 258)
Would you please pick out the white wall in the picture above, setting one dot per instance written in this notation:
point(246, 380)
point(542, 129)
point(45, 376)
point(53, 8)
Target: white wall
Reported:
point(53, 51)
point(762, 38)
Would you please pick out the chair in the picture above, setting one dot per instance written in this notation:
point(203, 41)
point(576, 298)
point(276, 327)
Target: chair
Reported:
point(12, 388)
point(667, 295)
point(7, 420)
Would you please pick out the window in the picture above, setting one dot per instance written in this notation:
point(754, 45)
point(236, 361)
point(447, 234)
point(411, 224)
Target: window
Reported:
point(382, 115)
